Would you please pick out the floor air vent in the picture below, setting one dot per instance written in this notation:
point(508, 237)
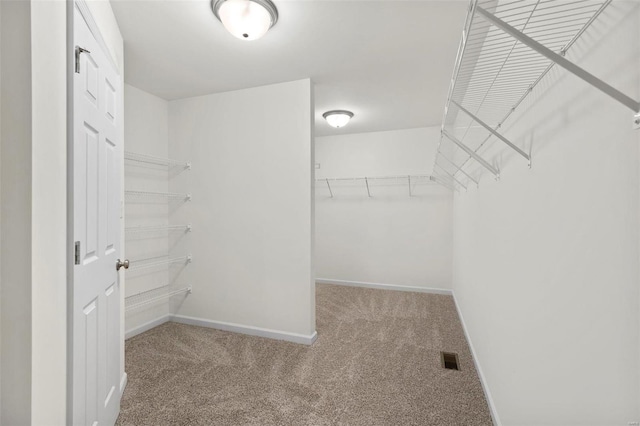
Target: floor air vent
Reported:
point(449, 360)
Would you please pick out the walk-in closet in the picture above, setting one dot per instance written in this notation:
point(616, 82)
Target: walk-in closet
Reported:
point(345, 212)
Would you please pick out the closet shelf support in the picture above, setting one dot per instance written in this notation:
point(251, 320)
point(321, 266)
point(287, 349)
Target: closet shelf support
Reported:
point(366, 181)
point(493, 132)
point(472, 154)
point(561, 61)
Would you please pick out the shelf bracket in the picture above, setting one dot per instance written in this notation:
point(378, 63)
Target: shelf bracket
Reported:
point(493, 132)
point(451, 176)
point(329, 186)
point(366, 181)
point(409, 180)
point(472, 154)
point(561, 61)
point(458, 169)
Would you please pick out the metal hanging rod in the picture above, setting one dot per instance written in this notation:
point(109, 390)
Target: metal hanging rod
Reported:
point(507, 47)
point(142, 229)
point(152, 263)
point(149, 194)
point(156, 161)
point(152, 296)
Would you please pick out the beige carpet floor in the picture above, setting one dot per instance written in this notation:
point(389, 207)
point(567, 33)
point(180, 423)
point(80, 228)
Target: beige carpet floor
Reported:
point(376, 362)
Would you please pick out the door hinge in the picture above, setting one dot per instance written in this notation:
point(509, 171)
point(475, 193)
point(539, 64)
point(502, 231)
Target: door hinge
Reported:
point(79, 50)
point(77, 253)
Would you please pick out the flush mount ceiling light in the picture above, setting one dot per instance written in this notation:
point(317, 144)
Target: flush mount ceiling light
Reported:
point(338, 117)
point(246, 19)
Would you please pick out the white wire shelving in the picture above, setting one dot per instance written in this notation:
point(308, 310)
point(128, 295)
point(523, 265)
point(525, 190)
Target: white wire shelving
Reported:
point(369, 182)
point(507, 48)
point(152, 296)
point(156, 262)
point(136, 157)
point(134, 230)
point(133, 195)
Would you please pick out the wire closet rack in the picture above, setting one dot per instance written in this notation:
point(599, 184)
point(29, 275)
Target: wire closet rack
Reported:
point(135, 230)
point(140, 195)
point(154, 295)
point(136, 157)
point(507, 48)
point(367, 183)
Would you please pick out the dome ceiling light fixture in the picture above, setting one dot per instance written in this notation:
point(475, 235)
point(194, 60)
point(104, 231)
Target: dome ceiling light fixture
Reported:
point(338, 117)
point(246, 19)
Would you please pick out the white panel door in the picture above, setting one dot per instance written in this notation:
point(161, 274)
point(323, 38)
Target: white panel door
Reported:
point(97, 150)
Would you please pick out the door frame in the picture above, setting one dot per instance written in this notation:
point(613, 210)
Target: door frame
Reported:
point(85, 12)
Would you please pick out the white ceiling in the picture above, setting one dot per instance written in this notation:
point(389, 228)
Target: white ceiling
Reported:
point(389, 62)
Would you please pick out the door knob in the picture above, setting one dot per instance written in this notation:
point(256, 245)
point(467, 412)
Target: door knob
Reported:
point(121, 263)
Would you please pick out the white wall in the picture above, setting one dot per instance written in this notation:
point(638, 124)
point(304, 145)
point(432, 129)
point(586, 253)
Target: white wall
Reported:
point(252, 154)
point(15, 193)
point(390, 238)
point(49, 212)
point(546, 266)
point(146, 132)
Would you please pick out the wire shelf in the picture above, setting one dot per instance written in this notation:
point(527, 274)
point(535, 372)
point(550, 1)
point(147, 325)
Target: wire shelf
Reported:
point(153, 296)
point(136, 157)
point(161, 228)
point(411, 181)
point(155, 262)
point(157, 195)
point(495, 72)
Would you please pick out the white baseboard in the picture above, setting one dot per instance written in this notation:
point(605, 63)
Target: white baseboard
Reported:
point(483, 382)
point(123, 383)
point(385, 286)
point(246, 329)
point(146, 326)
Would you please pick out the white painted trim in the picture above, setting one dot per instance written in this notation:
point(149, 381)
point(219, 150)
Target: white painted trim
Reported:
point(123, 383)
point(247, 329)
point(385, 286)
point(84, 10)
point(147, 326)
point(492, 407)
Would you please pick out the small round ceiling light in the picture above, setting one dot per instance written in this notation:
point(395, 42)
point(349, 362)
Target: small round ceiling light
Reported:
point(246, 19)
point(338, 117)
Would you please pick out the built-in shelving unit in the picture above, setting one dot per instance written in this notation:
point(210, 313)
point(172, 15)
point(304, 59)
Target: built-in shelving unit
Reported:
point(507, 48)
point(153, 269)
